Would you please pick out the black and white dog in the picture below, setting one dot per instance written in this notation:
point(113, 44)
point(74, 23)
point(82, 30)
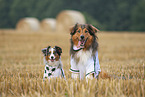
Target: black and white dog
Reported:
point(52, 61)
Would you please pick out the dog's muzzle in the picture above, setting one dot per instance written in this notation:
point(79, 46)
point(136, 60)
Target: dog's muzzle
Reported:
point(52, 59)
point(82, 42)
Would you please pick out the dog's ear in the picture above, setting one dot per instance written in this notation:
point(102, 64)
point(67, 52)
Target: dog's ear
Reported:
point(48, 48)
point(45, 50)
point(92, 29)
point(73, 29)
point(58, 50)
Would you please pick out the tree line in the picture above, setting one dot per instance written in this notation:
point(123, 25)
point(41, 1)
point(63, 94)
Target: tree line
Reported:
point(110, 15)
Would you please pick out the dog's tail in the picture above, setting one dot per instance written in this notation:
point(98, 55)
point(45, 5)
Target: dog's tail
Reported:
point(104, 75)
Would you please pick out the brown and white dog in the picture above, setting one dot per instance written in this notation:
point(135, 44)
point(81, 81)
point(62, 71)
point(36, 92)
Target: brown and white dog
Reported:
point(52, 61)
point(84, 51)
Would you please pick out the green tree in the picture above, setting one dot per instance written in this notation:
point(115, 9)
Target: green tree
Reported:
point(107, 14)
point(5, 21)
point(138, 17)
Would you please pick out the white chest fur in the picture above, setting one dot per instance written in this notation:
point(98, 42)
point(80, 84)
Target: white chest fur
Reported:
point(83, 56)
point(54, 64)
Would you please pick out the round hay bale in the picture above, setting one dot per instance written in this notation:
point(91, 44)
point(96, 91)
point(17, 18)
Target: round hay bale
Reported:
point(48, 24)
point(28, 24)
point(68, 18)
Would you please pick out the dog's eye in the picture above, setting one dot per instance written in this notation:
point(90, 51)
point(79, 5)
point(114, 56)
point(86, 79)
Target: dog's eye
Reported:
point(49, 53)
point(79, 31)
point(86, 31)
point(54, 53)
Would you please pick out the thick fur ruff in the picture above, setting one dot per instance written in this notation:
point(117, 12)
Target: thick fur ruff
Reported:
point(83, 49)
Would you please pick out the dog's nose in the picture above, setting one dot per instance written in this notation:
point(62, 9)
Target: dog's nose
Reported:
point(82, 36)
point(52, 57)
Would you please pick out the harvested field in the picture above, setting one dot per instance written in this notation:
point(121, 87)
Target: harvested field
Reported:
point(121, 55)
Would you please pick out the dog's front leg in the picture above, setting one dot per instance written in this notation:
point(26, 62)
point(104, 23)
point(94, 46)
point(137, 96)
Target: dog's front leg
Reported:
point(82, 73)
point(75, 75)
point(90, 76)
point(45, 75)
point(44, 78)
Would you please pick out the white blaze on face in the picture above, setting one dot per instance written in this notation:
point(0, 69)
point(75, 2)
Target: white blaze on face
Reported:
point(52, 54)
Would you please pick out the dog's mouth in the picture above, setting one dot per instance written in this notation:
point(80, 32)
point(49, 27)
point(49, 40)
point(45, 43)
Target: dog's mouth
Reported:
point(52, 60)
point(81, 43)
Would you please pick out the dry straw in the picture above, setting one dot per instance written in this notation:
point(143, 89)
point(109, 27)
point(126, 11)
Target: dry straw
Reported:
point(68, 18)
point(28, 24)
point(48, 25)
point(120, 55)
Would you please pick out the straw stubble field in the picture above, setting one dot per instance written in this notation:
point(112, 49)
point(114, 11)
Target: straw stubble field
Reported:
point(121, 55)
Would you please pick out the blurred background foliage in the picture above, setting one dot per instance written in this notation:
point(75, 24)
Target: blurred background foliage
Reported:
point(110, 15)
